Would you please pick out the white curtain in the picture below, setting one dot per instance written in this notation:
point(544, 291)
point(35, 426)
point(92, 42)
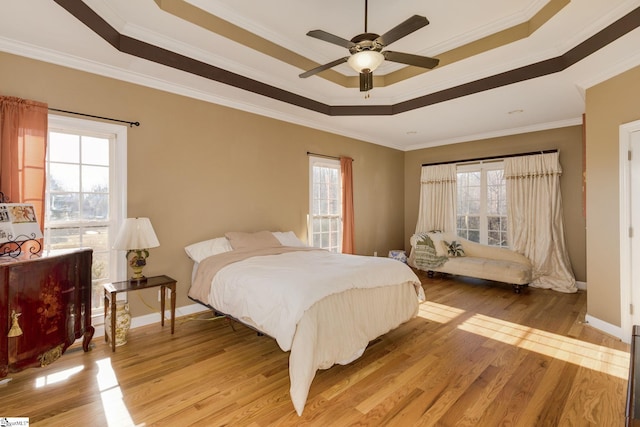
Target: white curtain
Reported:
point(534, 209)
point(438, 193)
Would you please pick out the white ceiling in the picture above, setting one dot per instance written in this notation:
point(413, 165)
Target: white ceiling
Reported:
point(43, 30)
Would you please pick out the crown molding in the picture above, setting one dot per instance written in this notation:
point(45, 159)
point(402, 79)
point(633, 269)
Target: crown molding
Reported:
point(500, 133)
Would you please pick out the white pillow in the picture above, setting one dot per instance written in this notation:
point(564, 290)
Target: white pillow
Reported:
point(288, 238)
point(201, 250)
point(437, 239)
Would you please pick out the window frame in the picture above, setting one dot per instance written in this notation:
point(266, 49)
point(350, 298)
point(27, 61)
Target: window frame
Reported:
point(117, 186)
point(315, 161)
point(483, 167)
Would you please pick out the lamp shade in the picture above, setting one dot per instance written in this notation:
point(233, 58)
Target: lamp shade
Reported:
point(136, 233)
point(366, 61)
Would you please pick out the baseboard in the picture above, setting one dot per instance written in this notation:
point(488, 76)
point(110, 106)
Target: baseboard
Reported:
point(581, 285)
point(149, 319)
point(614, 331)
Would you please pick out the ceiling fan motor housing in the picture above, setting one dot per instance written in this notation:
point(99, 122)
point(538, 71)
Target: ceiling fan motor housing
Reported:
point(365, 41)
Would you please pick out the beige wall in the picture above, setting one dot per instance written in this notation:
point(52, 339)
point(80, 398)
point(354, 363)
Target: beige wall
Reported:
point(608, 105)
point(568, 141)
point(198, 169)
point(246, 172)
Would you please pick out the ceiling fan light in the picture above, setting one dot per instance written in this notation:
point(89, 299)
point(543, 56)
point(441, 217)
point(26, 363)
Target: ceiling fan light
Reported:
point(365, 60)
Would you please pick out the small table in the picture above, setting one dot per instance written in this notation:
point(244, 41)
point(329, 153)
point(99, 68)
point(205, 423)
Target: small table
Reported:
point(112, 289)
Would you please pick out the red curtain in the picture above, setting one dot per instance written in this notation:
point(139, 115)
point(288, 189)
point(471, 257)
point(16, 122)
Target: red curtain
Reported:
point(23, 148)
point(348, 245)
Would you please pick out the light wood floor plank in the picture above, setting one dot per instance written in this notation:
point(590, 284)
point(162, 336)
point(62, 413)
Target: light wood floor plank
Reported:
point(476, 355)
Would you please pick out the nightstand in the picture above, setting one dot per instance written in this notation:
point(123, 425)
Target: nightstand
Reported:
point(112, 289)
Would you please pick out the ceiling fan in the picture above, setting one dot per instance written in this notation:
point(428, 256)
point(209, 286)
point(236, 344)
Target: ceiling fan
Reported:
point(366, 50)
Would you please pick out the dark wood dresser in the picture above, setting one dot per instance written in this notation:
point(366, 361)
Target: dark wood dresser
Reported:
point(45, 305)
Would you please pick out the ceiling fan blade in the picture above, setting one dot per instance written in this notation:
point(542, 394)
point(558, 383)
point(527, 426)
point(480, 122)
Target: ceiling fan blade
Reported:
point(328, 37)
point(366, 82)
point(323, 67)
point(399, 31)
point(409, 59)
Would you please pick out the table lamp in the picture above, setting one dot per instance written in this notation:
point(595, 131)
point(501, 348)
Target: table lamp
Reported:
point(136, 236)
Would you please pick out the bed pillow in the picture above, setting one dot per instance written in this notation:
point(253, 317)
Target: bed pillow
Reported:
point(201, 250)
point(257, 240)
point(288, 238)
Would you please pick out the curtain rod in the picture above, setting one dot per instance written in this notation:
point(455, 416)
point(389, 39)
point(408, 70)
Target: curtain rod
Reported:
point(309, 153)
point(131, 124)
point(492, 157)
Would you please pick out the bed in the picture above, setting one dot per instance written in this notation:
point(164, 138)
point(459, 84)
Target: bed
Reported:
point(303, 297)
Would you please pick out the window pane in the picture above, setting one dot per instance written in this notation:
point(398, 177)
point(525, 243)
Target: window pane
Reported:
point(473, 193)
point(324, 240)
point(493, 223)
point(64, 147)
point(95, 179)
point(474, 236)
point(475, 178)
point(463, 206)
point(64, 207)
point(495, 177)
point(334, 207)
point(473, 222)
point(95, 151)
point(96, 238)
point(494, 238)
point(64, 238)
point(95, 206)
point(64, 177)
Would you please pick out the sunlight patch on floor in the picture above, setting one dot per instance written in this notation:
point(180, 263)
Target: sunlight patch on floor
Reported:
point(57, 377)
point(115, 410)
point(438, 312)
point(600, 358)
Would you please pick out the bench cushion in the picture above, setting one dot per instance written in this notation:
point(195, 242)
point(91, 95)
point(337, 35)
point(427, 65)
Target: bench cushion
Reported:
point(488, 269)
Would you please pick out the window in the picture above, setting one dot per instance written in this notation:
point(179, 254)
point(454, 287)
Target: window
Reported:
point(86, 193)
point(482, 203)
point(325, 207)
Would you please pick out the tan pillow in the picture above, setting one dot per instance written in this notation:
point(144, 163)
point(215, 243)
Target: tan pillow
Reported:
point(257, 240)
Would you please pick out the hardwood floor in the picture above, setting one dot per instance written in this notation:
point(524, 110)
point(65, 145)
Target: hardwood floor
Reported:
point(477, 355)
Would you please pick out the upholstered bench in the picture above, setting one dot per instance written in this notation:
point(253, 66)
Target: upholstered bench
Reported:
point(448, 253)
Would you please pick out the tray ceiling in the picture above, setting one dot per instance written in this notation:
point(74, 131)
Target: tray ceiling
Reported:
point(507, 66)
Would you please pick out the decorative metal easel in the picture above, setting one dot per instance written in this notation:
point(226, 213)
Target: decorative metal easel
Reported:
point(13, 246)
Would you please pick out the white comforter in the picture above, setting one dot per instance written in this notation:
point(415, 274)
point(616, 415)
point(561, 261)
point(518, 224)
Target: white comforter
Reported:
point(275, 292)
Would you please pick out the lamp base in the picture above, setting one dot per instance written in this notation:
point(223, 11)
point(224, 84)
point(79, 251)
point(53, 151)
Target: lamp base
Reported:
point(137, 280)
point(137, 263)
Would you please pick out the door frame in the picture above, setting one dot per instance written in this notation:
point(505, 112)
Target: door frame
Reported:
point(626, 318)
